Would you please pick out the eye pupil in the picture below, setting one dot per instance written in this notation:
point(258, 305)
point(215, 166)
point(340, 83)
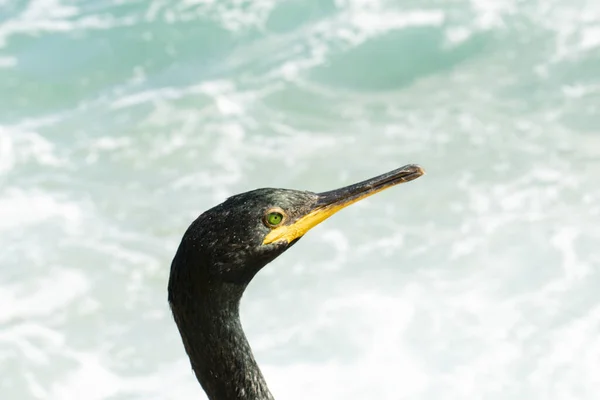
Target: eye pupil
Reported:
point(274, 218)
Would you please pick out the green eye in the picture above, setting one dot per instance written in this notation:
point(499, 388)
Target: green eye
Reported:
point(274, 218)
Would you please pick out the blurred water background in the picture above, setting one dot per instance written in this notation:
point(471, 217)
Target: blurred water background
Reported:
point(121, 121)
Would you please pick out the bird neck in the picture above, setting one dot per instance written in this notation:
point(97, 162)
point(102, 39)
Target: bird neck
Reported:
point(218, 349)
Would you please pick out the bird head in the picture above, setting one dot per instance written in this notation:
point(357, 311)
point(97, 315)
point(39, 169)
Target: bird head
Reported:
point(231, 242)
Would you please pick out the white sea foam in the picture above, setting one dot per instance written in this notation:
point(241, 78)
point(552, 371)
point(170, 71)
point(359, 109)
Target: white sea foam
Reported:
point(19, 208)
point(44, 16)
point(477, 281)
point(43, 297)
point(358, 22)
point(17, 146)
point(7, 152)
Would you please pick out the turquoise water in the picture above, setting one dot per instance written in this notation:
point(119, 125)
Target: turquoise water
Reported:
point(120, 121)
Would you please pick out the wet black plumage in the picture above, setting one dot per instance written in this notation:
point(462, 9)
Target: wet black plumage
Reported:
point(221, 252)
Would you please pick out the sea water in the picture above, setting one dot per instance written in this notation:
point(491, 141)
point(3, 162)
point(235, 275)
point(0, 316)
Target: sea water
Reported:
point(121, 121)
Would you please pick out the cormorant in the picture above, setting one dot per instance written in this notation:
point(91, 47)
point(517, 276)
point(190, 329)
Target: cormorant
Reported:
point(219, 255)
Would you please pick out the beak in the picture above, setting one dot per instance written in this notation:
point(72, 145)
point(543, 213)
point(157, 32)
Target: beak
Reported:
point(328, 203)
